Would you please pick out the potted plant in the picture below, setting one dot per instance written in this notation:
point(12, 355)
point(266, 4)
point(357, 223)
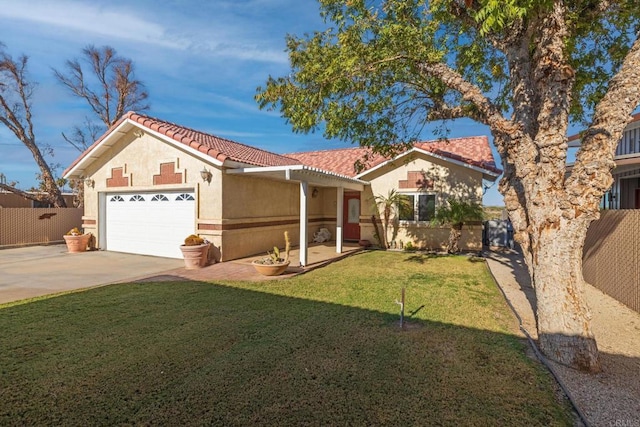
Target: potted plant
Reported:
point(76, 241)
point(273, 264)
point(195, 252)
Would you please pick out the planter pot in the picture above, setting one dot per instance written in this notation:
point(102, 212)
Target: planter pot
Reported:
point(270, 269)
point(364, 243)
point(78, 243)
point(195, 256)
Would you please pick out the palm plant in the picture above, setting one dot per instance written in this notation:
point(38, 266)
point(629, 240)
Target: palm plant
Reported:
point(387, 206)
point(456, 213)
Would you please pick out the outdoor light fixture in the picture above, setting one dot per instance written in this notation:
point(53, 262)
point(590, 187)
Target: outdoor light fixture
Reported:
point(314, 193)
point(89, 182)
point(206, 175)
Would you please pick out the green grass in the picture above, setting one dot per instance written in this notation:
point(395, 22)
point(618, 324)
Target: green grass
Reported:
point(320, 349)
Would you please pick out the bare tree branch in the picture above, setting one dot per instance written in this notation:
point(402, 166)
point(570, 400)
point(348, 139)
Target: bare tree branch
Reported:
point(115, 89)
point(15, 115)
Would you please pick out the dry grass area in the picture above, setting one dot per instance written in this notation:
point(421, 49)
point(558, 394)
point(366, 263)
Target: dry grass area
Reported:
point(319, 349)
point(492, 212)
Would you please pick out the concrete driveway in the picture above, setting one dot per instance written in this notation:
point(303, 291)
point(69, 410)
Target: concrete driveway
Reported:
point(40, 270)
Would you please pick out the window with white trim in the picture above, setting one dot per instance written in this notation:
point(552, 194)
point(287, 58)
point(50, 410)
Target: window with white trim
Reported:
point(417, 207)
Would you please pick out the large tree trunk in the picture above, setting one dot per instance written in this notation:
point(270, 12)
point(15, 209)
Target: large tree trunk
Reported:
point(563, 316)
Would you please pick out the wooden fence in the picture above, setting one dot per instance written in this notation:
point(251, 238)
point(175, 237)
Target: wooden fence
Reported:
point(611, 256)
point(24, 226)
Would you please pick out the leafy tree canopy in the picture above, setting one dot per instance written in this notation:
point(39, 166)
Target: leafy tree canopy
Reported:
point(365, 77)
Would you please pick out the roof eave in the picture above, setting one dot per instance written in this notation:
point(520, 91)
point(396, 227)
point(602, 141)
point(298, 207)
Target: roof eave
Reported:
point(486, 173)
point(109, 140)
point(301, 172)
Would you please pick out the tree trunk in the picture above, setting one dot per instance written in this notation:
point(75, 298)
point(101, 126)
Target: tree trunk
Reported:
point(453, 246)
point(563, 317)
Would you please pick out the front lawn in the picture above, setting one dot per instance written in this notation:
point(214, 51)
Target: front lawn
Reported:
point(319, 349)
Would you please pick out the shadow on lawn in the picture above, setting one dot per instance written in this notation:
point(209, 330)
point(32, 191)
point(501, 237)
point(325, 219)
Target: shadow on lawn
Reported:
point(175, 353)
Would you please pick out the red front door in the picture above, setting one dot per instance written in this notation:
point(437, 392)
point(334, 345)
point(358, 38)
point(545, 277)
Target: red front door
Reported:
point(351, 216)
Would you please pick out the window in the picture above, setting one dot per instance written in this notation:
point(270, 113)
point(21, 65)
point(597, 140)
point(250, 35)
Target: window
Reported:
point(117, 199)
point(184, 196)
point(159, 198)
point(136, 198)
point(417, 207)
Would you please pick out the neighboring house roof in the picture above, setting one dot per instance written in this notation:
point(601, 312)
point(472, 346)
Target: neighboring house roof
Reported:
point(218, 148)
point(576, 139)
point(472, 151)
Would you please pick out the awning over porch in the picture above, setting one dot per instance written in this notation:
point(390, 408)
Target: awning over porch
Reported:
point(305, 176)
point(300, 173)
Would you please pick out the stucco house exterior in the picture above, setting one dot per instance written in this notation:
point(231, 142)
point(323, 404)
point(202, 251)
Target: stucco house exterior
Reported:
point(625, 191)
point(149, 183)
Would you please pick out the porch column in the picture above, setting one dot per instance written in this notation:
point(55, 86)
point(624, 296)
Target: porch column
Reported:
point(339, 218)
point(304, 189)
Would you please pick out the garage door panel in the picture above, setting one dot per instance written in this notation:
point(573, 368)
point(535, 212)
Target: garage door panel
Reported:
point(149, 223)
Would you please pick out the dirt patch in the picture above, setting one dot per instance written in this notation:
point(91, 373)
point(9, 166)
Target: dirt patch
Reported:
point(610, 397)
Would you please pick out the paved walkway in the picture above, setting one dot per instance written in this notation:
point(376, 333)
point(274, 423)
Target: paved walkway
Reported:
point(318, 255)
point(35, 271)
point(612, 397)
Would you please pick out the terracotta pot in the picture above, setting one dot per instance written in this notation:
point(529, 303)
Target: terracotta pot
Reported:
point(78, 243)
point(364, 243)
point(270, 269)
point(195, 256)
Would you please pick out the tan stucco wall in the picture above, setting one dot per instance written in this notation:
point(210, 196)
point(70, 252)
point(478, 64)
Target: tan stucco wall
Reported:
point(257, 211)
point(141, 159)
point(450, 180)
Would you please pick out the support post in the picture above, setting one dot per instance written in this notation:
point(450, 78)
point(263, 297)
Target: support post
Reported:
point(304, 220)
point(339, 219)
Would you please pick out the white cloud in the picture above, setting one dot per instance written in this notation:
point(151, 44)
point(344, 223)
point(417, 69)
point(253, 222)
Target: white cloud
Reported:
point(104, 21)
point(226, 37)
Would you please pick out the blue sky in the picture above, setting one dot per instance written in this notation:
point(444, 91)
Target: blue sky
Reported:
point(201, 62)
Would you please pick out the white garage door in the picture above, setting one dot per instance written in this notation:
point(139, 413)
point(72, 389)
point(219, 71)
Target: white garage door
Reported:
point(149, 223)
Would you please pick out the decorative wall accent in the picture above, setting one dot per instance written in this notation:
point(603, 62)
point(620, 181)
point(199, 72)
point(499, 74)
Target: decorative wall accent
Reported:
point(117, 178)
point(416, 179)
point(168, 174)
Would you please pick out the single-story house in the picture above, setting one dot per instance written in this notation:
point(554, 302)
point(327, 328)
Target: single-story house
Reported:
point(150, 183)
point(625, 191)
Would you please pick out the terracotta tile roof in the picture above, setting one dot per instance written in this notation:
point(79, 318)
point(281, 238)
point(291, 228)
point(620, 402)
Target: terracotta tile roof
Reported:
point(216, 147)
point(471, 150)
